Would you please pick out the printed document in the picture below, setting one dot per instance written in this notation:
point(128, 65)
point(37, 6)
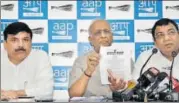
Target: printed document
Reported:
point(118, 60)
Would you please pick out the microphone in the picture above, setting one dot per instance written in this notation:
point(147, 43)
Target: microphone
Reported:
point(144, 81)
point(176, 89)
point(128, 93)
point(159, 90)
point(176, 85)
point(154, 51)
point(161, 76)
point(174, 54)
point(148, 77)
point(163, 85)
point(163, 88)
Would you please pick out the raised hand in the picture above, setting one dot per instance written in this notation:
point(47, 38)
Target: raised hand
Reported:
point(116, 83)
point(92, 62)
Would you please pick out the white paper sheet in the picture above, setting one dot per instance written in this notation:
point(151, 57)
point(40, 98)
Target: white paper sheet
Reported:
point(88, 99)
point(118, 60)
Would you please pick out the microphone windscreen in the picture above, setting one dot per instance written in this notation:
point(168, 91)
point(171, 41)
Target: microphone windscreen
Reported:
point(154, 51)
point(166, 80)
point(148, 77)
point(174, 54)
point(176, 89)
point(154, 70)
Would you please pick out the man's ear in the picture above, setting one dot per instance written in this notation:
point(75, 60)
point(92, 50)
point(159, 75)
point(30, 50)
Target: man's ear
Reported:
point(5, 44)
point(155, 44)
point(90, 40)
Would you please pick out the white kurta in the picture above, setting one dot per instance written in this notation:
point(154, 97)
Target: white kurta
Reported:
point(34, 74)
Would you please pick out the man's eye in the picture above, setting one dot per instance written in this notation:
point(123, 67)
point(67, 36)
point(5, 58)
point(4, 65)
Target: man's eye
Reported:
point(107, 31)
point(26, 39)
point(171, 32)
point(13, 40)
point(97, 33)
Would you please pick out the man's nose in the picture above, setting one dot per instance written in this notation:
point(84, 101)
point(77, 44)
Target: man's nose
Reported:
point(21, 43)
point(103, 34)
point(166, 37)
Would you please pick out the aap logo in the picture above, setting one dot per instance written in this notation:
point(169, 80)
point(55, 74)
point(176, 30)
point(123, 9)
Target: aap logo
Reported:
point(141, 47)
point(33, 9)
point(62, 31)
point(90, 9)
point(61, 74)
point(123, 30)
point(148, 9)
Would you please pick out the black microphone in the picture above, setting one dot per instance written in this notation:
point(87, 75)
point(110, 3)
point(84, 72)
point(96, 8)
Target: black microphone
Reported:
point(174, 54)
point(148, 77)
point(160, 92)
point(161, 89)
point(128, 92)
point(162, 86)
point(154, 51)
point(161, 76)
point(144, 81)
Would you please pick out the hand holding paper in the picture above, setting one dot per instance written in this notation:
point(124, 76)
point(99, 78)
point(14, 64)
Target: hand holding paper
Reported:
point(116, 59)
point(92, 62)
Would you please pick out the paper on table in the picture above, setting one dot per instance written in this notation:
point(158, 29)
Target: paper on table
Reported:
point(117, 60)
point(87, 99)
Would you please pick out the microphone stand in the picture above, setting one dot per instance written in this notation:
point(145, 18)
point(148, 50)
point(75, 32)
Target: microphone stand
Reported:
point(172, 96)
point(171, 71)
point(154, 51)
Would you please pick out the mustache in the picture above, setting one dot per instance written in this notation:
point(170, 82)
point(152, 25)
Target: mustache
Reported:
point(20, 49)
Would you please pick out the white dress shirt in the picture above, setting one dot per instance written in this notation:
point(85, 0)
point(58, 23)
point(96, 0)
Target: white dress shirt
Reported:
point(34, 74)
point(158, 61)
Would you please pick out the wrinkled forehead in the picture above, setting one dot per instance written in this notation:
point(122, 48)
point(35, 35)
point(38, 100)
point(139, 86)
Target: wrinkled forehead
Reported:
point(100, 25)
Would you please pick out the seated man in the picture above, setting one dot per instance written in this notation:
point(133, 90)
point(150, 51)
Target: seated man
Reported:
point(165, 34)
point(85, 74)
point(24, 72)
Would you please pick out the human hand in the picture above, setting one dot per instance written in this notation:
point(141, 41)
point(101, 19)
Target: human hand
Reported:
point(9, 94)
point(92, 62)
point(116, 83)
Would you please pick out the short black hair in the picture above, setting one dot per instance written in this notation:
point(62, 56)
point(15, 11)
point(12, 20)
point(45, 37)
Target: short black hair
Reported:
point(16, 27)
point(161, 22)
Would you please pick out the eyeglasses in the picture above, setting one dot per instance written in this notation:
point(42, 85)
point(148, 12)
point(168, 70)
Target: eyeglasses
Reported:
point(162, 35)
point(99, 32)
